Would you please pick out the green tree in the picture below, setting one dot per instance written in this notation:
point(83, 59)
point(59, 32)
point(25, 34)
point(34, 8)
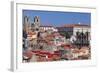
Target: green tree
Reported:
point(66, 34)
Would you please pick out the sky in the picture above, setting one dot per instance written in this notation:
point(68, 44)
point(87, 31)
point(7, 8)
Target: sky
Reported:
point(57, 18)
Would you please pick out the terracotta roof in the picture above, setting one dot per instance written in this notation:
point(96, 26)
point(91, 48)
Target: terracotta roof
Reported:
point(75, 25)
point(51, 36)
point(31, 33)
point(66, 46)
point(46, 26)
point(28, 54)
point(75, 51)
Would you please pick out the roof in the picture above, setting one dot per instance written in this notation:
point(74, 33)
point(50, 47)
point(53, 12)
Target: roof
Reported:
point(46, 26)
point(75, 25)
point(53, 35)
point(28, 53)
point(31, 33)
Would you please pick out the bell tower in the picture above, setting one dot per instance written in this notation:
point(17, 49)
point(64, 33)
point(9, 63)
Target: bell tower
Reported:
point(26, 24)
point(36, 23)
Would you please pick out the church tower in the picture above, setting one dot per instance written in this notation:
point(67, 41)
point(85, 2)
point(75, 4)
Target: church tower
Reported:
point(27, 25)
point(36, 23)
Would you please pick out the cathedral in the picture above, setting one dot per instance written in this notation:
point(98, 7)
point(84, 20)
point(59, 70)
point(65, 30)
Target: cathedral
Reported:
point(35, 26)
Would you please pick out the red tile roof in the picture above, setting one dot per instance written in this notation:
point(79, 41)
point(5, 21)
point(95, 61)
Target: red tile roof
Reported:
point(46, 26)
point(75, 25)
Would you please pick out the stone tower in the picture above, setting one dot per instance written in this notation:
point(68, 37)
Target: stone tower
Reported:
point(27, 25)
point(36, 23)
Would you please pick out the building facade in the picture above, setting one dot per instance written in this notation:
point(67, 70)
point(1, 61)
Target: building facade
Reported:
point(74, 28)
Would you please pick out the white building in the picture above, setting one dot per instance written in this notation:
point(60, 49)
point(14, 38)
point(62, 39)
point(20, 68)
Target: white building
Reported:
point(72, 29)
point(81, 28)
point(46, 28)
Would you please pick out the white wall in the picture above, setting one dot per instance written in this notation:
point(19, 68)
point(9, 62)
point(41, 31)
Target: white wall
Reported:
point(5, 36)
point(81, 29)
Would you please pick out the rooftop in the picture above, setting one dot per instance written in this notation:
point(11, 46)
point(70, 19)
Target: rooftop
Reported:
point(46, 26)
point(75, 25)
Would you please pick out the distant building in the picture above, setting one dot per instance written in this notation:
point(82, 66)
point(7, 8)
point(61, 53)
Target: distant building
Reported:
point(56, 39)
point(27, 25)
point(74, 28)
point(36, 24)
point(46, 28)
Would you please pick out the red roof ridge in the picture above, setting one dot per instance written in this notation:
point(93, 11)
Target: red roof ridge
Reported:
point(76, 25)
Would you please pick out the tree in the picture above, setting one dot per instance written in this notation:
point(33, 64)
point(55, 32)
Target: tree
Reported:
point(66, 34)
